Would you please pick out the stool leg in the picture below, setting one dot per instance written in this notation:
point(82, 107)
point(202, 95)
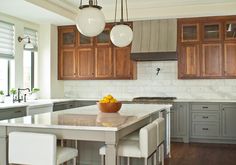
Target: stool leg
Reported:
point(155, 158)
point(117, 160)
point(145, 161)
point(162, 154)
point(128, 160)
point(74, 161)
point(103, 160)
point(158, 155)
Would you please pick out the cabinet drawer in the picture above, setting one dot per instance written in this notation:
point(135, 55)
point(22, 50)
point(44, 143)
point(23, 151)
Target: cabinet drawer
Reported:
point(200, 116)
point(205, 129)
point(207, 107)
point(12, 113)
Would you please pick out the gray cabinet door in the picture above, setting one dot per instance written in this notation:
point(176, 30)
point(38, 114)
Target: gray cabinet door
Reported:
point(228, 120)
point(10, 113)
point(179, 120)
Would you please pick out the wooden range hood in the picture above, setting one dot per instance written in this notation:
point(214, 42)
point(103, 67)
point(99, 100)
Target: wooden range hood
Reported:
point(154, 40)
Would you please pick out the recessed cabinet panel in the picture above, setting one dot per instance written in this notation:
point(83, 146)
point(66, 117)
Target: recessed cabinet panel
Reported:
point(230, 59)
point(84, 40)
point(104, 62)
point(211, 60)
point(230, 31)
point(228, 121)
point(212, 32)
point(67, 63)
point(189, 61)
point(122, 63)
point(104, 38)
point(85, 63)
point(190, 32)
point(67, 37)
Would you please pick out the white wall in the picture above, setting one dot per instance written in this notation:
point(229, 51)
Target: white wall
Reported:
point(148, 84)
point(49, 86)
point(19, 31)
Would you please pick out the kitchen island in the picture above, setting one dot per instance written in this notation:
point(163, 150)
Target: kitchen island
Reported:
point(84, 123)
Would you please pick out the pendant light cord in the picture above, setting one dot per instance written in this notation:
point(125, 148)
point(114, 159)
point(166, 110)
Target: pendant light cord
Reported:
point(127, 14)
point(122, 14)
point(80, 3)
point(115, 12)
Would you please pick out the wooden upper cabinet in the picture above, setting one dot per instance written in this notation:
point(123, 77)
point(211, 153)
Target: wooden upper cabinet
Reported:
point(85, 58)
point(212, 31)
point(211, 60)
point(230, 30)
point(124, 68)
point(67, 64)
point(209, 54)
point(84, 41)
point(85, 63)
point(103, 62)
point(189, 65)
point(190, 32)
point(230, 59)
point(103, 38)
point(67, 37)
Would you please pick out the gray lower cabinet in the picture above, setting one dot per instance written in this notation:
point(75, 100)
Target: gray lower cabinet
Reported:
point(228, 113)
point(205, 120)
point(10, 113)
point(71, 104)
point(179, 121)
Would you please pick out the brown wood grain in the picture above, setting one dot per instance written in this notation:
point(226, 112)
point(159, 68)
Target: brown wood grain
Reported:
point(202, 154)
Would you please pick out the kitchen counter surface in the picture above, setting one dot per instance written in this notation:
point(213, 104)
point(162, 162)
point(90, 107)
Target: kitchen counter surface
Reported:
point(88, 118)
point(206, 100)
point(32, 103)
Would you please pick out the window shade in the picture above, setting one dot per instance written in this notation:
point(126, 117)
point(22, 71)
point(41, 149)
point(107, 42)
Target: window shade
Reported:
point(7, 42)
point(33, 35)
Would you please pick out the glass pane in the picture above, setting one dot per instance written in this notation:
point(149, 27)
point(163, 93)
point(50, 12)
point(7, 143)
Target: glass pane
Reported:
point(4, 75)
point(84, 40)
point(104, 37)
point(27, 69)
point(68, 38)
point(190, 32)
point(212, 31)
point(231, 30)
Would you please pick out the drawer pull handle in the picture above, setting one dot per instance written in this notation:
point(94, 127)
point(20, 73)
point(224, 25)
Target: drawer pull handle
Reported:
point(205, 117)
point(204, 107)
point(205, 129)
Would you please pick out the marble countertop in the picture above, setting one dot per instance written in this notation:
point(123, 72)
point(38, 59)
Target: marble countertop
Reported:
point(88, 118)
point(32, 103)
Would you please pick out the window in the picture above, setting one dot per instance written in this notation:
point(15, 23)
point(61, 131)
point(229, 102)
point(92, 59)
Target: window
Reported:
point(30, 60)
point(7, 35)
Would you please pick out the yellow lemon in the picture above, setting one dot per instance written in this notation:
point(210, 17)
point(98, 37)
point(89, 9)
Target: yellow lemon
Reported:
point(109, 97)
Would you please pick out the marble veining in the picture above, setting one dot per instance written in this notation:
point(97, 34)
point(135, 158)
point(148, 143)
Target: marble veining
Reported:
point(88, 118)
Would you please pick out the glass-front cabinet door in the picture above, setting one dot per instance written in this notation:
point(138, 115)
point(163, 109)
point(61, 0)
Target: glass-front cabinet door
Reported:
point(230, 30)
point(103, 38)
point(67, 37)
point(84, 41)
point(211, 31)
point(190, 32)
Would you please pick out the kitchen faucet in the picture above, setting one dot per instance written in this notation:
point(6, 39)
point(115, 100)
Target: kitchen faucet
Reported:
point(18, 93)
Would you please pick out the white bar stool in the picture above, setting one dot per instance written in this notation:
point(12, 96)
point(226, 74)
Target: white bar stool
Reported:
point(38, 149)
point(145, 147)
point(160, 122)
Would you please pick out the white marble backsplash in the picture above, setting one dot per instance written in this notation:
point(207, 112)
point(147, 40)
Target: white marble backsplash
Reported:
point(149, 84)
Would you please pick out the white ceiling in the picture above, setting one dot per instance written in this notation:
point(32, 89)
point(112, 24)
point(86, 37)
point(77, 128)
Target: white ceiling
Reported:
point(61, 12)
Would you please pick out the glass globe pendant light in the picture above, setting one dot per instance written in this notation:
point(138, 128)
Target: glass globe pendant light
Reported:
point(90, 20)
point(121, 34)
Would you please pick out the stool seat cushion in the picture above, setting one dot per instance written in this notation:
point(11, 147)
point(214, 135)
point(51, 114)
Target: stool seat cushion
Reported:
point(128, 148)
point(64, 154)
point(132, 136)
